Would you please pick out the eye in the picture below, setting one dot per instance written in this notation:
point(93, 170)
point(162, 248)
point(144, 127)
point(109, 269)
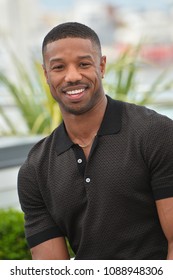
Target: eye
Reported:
point(85, 64)
point(58, 67)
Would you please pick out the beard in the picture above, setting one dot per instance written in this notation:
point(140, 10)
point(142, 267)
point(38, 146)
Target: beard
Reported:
point(79, 108)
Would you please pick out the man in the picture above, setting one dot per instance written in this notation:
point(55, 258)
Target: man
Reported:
point(104, 177)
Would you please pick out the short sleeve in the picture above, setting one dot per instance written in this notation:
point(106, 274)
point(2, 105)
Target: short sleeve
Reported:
point(39, 225)
point(160, 155)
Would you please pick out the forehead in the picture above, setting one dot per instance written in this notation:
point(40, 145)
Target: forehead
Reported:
point(70, 46)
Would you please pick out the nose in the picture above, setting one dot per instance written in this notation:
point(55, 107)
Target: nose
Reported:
point(72, 74)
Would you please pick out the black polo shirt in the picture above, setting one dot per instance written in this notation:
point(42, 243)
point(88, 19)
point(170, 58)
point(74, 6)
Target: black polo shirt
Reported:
point(105, 205)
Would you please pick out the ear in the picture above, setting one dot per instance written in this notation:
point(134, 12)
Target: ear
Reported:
point(103, 66)
point(45, 73)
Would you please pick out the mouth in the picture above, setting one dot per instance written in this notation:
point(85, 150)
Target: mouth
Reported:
point(75, 93)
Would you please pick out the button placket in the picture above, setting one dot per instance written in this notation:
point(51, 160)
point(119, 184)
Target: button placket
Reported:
point(87, 180)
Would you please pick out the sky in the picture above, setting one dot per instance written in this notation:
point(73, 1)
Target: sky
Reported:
point(67, 4)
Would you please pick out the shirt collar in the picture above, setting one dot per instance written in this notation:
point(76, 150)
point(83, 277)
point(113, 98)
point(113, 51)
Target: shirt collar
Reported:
point(111, 124)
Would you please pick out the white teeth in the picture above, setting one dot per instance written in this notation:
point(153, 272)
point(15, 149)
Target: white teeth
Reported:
point(71, 92)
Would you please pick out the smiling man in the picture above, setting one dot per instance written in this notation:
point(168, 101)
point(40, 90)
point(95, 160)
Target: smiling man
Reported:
point(104, 177)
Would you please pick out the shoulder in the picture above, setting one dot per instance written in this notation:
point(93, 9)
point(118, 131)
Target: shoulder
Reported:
point(140, 112)
point(40, 153)
point(144, 117)
point(41, 148)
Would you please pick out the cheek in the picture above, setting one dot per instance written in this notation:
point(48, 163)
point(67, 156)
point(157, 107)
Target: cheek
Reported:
point(53, 81)
point(96, 75)
point(98, 78)
point(99, 73)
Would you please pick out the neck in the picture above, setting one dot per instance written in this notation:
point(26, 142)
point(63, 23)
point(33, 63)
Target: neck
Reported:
point(82, 128)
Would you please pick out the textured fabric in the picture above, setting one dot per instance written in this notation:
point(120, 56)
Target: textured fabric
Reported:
point(106, 205)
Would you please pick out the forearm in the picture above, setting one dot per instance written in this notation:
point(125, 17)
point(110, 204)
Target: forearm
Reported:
point(165, 212)
point(170, 251)
point(54, 249)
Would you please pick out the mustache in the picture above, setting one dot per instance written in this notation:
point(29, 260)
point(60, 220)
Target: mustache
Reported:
point(74, 84)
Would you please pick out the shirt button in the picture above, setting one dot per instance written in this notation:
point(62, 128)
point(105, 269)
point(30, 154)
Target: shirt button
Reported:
point(87, 180)
point(79, 160)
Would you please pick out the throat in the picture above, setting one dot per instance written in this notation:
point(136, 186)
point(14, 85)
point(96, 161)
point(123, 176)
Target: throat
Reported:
point(85, 145)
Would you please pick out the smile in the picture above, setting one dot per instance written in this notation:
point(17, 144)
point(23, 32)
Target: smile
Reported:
point(76, 91)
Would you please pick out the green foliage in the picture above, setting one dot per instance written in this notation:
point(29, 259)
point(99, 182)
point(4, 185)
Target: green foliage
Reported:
point(122, 80)
point(32, 97)
point(71, 253)
point(41, 112)
point(13, 245)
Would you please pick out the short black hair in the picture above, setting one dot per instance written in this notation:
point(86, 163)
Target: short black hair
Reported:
point(71, 30)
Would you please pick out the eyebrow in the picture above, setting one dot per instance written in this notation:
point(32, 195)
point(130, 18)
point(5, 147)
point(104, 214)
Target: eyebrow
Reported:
point(56, 59)
point(85, 57)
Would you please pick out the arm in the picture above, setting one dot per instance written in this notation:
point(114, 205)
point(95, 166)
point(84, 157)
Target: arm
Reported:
point(38, 220)
point(165, 212)
point(53, 249)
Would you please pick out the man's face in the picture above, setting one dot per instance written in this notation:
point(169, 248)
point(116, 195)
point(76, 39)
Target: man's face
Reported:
point(74, 68)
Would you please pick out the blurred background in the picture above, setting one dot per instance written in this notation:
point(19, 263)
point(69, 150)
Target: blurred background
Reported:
point(137, 38)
